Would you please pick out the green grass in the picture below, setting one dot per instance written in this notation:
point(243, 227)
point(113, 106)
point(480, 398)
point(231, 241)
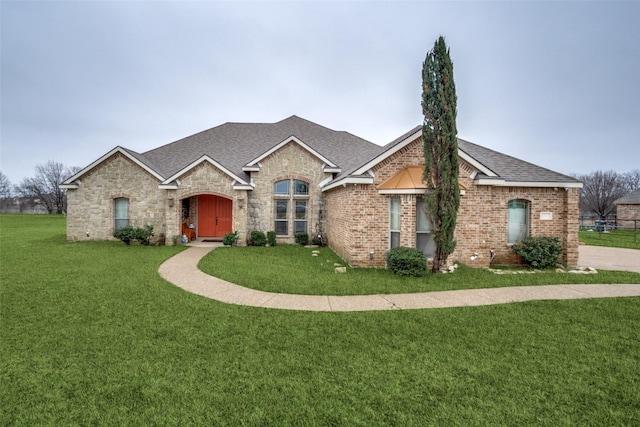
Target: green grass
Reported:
point(615, 238)
point(292, 269)
point(91, 335)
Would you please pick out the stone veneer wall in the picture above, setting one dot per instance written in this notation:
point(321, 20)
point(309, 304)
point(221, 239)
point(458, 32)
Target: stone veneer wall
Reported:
point(90, 207)
point(289, 162)
point(358, 217)
point(206, 179)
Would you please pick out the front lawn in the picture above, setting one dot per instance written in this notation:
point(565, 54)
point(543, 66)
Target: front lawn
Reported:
point(293, 269)
point(615, 238)
point(90, 334)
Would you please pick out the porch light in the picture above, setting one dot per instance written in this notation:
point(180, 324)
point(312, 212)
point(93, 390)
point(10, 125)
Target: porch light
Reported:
point(171, 202)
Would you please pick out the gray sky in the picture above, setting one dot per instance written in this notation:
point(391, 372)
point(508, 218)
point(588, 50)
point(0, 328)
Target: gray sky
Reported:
point(553, 83)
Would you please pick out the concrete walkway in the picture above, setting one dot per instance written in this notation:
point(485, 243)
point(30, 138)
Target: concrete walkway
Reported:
point(182, 270)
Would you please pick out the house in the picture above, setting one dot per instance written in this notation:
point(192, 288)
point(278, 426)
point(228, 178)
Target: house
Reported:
point(297, 176)
point(628, 210)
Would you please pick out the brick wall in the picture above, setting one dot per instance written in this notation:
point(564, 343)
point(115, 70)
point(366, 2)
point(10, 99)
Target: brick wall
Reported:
point(626, 213)
point(358, 217)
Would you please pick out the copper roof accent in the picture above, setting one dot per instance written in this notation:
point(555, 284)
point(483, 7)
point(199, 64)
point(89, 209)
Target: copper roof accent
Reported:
point(408, 178)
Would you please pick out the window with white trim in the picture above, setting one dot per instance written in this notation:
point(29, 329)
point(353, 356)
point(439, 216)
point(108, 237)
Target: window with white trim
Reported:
point(291, 195)
point(424, 238)
point(394, 222)
point(517, 220)
point(121, 212)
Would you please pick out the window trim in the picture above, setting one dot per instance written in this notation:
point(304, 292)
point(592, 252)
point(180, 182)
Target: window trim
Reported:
point(526, 206)
point(393, 231)
point(292, 196)
point(421, 201)
point(117, 218)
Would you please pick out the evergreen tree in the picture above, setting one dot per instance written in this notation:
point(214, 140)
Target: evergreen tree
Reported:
point(439, 137)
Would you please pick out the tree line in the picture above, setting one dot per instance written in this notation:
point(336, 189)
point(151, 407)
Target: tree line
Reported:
point(40, 191)
point(602, 188)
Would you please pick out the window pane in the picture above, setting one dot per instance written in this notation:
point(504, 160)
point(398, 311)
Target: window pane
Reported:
point(300, 226)
point(394, 214)
point(300, 187)
point(425, 243)
point(518, 227)
point(281, 187)
point(281, 209)
point(122, 208)
point(281, 228)
point(121, 212)
point(422, 219)
point(395, 239)
point(301, 209)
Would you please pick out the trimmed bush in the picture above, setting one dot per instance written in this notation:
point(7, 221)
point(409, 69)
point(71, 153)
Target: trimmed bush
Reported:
point(271, 238)
point(405, 261)
point(301, 238)
point(258, 238)
point(230, 239)
point(129, 233)
point(539, 252)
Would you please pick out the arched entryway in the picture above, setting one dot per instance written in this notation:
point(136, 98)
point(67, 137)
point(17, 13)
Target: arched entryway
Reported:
point(214, 216)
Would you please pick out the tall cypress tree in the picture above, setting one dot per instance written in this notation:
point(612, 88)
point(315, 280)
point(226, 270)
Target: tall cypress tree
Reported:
point(440, 142)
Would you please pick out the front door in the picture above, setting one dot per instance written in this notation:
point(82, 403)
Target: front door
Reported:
point(214, 216)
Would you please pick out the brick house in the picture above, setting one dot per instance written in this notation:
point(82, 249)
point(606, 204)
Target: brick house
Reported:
point(628, 210)
point(297, 176)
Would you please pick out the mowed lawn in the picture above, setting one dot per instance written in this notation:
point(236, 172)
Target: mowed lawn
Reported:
point(91, 335)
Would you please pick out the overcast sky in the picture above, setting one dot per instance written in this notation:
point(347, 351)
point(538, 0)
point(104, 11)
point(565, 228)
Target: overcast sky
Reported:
point(553, 83)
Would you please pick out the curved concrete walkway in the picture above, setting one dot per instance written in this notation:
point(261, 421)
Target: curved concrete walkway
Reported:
point(182, 270)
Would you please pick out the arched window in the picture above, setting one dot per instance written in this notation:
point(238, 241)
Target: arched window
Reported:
point(291, 195)
point(517, 221)
point(121, 212)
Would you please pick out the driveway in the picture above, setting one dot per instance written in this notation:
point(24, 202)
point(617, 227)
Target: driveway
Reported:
point(605, 258)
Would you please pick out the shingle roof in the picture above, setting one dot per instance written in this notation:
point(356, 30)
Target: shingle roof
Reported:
point(632, 198)
point(505, 167)
point(233, 145)
point(509, 168)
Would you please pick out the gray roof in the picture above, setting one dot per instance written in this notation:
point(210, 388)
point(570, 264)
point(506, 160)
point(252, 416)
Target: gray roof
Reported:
point(505, 167)
point(632, 198)
point(233, 145)
point(509, 168)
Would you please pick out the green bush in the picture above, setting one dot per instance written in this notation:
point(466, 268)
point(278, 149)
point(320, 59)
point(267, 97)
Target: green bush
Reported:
point(539, 252)
point(129, 233)
point(271, 238)
point(405, 261)
point(301, 238)
point(257, 238)
point(230, 239)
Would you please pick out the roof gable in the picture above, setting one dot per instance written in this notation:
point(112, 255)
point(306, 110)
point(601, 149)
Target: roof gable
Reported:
point(136, 158)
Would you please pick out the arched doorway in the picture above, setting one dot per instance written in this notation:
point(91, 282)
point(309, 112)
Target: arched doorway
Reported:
point(214, 216)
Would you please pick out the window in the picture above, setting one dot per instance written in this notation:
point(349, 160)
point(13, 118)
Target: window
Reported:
point(424, 238)
point(298, 199)
point(517, 221)
point(394, 222)
point(121, 209)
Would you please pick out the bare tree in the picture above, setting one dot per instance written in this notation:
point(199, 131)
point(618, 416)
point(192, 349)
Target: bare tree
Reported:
point(600, 189)
point(631, 180)
point(45, 186)
point(6, 191)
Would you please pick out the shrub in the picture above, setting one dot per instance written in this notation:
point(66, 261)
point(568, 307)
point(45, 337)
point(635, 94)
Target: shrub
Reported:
point(539, 252)
point(301, 238)
point(129, 233)
point(230, 238)
point(405, 261)
point(317, 240)
point(258, 238)
point(271, 238)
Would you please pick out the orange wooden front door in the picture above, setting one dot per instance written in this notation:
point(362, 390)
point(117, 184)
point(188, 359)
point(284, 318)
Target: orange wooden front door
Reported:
point(214, 216)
